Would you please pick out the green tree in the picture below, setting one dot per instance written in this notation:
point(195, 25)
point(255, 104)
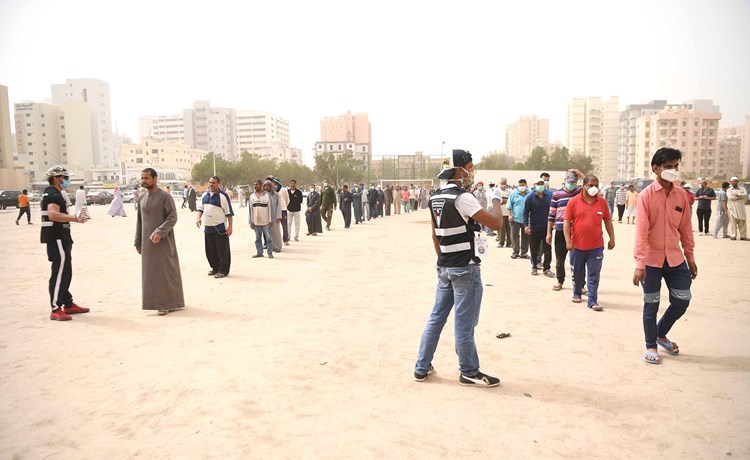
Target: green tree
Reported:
point(582, 163)
point(538, 160)
point(559, 160)
point(496, 161)
point(339, 168)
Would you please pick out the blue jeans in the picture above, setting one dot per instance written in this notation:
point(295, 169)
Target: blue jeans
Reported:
point(611, 205)
point(460, 287)
point(587, 265)
point(678, 280)
point(260, 232)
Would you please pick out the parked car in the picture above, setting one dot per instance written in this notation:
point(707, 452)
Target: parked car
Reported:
point(9, 198)
point(35, 196)
point(177, 196)
point(128, 197)
point(101, 197)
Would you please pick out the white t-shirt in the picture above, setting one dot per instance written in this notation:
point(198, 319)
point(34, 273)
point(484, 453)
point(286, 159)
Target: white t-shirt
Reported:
point(466, 204)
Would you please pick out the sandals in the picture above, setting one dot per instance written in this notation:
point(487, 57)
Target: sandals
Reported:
point(669, 347)
point(596, 307)
point(502, 335)
point(651, 357)
point(576, 299)
point(557, 287)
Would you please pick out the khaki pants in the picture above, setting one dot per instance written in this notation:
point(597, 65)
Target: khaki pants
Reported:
point(737, 227)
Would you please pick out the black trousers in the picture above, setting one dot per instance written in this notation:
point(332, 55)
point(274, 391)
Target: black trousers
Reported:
point(704, 217)
point(346, 211)
point(373, 211)
point(218, 252)
point(537, 247)
point(24, 210)
point(58, 252)
point(284, 225)
point(620, 212)
point(561, 253)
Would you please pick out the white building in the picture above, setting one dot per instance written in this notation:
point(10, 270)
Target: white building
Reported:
point(524, 135)
point(168, 128)
point(37, 138)
point(171, 160)
point(211, 129)
point(592, 129)
point(256, 131)
point(626, 154)
point(95, 93)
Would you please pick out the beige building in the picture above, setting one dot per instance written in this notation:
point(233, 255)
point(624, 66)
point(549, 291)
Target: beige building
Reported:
point(211, 129)
point(95, 94)
point(76, 138)
point(346, 132)
point(728, 162)
point(37, 138)
point(692, 131)
point(592, 129)
point(627, 146)
point(745, 159)
point(10, 176)
point(522, 136)
point(172, 161)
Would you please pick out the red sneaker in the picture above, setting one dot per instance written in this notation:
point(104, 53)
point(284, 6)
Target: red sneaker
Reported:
point(59, 315)
point(74, 309)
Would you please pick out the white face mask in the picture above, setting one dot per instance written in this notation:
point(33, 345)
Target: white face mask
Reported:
point(670, 175)
point(592, 191)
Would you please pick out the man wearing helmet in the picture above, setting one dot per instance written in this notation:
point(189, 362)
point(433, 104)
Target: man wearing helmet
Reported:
point(56, 234)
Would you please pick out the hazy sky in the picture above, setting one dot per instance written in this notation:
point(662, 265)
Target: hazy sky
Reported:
point(424, 71)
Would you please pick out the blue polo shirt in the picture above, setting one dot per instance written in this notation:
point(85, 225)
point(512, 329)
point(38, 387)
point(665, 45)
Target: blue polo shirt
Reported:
point(516, 203)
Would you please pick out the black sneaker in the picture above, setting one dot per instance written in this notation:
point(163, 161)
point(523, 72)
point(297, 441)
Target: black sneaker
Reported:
point(422, 377)
point(478, 380)
point(525, 256)
point(212, 272)
point(514, 256)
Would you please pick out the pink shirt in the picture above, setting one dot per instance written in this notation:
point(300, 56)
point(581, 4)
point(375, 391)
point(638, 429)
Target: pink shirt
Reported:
point(405, 195)
point(663, 223)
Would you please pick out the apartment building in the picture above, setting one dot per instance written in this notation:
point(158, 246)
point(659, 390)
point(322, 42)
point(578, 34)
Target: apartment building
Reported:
point(524, 135)
point(691, 127)
point(95, 94)
point(168, 128)
point(592, 128)
point(346, 132)
point(626, 153)
point(171, 160)
point(37, 138)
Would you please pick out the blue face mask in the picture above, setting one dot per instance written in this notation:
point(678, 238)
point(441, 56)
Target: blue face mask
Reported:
point(65, 183)
point(570, 186)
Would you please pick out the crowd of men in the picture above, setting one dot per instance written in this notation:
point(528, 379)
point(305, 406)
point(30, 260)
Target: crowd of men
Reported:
point(528, 218)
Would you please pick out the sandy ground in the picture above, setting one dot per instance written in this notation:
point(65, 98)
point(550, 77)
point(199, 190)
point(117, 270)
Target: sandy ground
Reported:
point(311, 355)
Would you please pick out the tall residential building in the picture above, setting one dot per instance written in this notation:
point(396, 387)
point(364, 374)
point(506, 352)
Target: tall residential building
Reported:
point(38, 138)
point(684, 127)
point(171, 160)
point(592, 129)
point(95, 93)
point(745, 160)
point(228, 132)
point(211, 129)
point(731, 141)
point(522, 136)
point(6, 147)
point(346, 132)
point(168, 128)
point(258, 131)
point(627, 145)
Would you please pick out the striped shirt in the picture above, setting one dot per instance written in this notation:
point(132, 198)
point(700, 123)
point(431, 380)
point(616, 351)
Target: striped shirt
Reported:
point(557, 207)
point(216, 207)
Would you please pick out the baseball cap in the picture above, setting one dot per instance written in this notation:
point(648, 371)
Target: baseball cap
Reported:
point(457, 159)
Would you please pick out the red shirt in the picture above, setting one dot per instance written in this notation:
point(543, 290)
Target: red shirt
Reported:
point(586, 221)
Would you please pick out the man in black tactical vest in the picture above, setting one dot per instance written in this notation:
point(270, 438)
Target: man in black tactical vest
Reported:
point(56, 234)
point(456, 215)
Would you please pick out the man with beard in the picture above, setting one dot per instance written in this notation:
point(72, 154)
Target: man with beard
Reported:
point(262, 217)
point(155, 242)
point(293, 209)
point(327, 203)
point(372, 198)
point(216, 206)
point(345, 204)
point(312, 215)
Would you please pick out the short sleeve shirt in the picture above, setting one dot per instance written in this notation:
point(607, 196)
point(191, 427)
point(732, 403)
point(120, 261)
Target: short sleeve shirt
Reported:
point(586, 222)
point(705, 204)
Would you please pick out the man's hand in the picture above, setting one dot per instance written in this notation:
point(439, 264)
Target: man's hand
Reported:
point(510, 218)
point(611, 245)
point(309, 209)
point(693, 270)
point(639, 276)
point(569, 245)
point(528, 230)
point(252, 226)
point(229, 231)
point(138, 249)
point(198, 223)
point(278, 220)
point(155, 237)
point(549, 238)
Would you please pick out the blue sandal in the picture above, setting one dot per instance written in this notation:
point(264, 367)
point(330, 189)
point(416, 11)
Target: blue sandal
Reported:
point(668, 346)
point(654, 357)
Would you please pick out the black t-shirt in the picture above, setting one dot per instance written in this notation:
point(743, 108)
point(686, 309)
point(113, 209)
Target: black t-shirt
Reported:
point(52, 231)
point(705, 204)
point(295, 200)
